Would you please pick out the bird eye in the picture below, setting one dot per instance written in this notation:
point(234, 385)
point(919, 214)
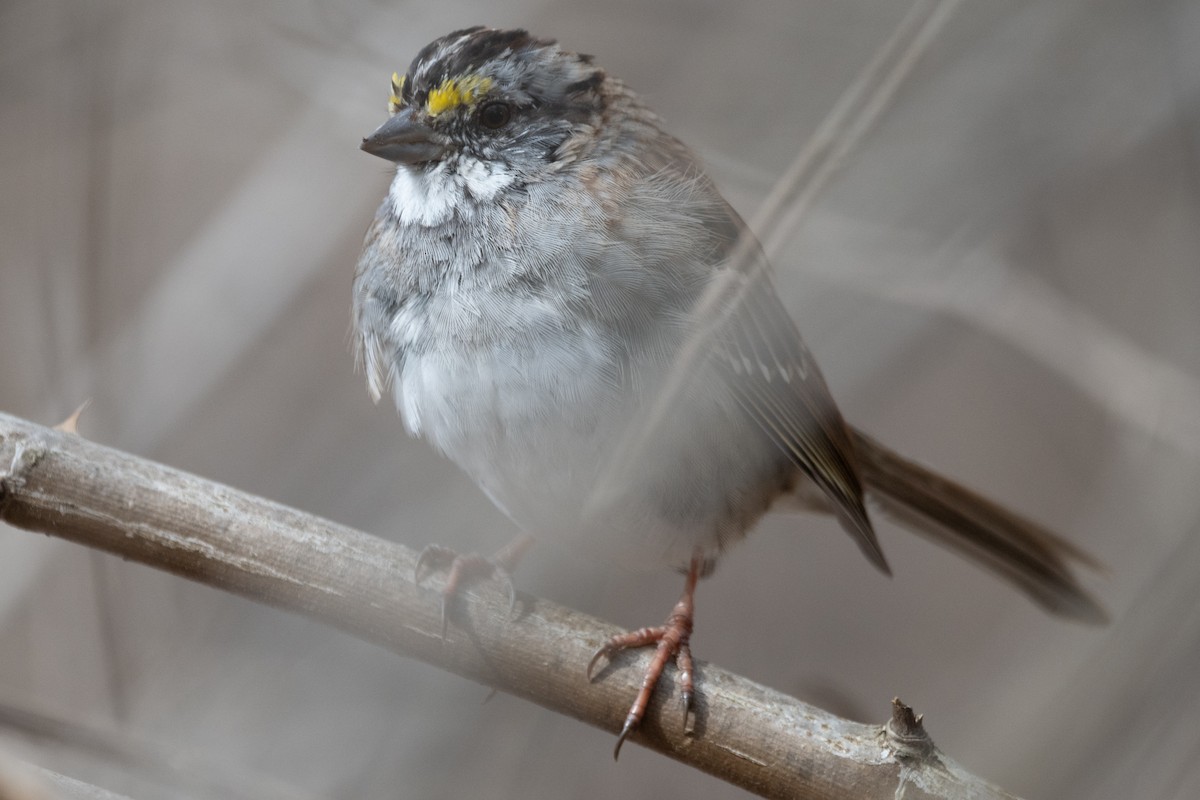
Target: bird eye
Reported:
point(495, 115)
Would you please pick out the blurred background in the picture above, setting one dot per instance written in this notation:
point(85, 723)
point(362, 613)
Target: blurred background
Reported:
point(1002, 282)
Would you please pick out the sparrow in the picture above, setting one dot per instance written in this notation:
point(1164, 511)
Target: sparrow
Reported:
point(560, 300)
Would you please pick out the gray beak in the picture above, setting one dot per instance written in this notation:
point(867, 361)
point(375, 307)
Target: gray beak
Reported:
point(404, 140)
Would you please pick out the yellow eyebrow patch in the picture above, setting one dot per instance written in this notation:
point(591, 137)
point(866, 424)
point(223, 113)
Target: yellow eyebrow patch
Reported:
point(396, 102)
point(455, 92)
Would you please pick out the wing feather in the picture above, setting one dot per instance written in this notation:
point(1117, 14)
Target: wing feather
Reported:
point(777, 383)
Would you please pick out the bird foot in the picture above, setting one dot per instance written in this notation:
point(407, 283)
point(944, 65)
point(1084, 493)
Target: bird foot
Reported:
point(671, 643)
point(467, 567)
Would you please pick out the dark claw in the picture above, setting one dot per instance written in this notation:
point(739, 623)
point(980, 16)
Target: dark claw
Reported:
point(429, 557)
point(601, 653)
point(504, 576)
point(686, 702)
point(625, 731)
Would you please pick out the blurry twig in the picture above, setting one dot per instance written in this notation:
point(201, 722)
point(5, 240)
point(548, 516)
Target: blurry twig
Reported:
point(1148, 393)
point(746, 734)
point(854, 115)
point(61, 787)
point(143, 759)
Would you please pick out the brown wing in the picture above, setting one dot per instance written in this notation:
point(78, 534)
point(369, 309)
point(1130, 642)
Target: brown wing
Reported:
point(777, 382)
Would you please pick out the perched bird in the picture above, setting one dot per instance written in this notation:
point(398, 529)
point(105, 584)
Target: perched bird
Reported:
point(564, 305)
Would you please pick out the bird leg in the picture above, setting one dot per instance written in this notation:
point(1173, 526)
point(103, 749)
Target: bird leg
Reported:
point(470, 566)
point(671, 641)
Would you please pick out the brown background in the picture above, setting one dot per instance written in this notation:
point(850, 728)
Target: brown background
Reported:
point(1003, 282)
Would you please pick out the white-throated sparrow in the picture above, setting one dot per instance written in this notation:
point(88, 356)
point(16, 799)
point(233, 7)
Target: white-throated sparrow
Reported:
point(566, 306)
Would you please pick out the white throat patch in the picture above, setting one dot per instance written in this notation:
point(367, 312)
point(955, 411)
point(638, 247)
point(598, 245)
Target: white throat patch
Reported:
point(430, 197)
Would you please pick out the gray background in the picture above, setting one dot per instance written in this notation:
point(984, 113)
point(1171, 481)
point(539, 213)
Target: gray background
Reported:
point(1002, 282)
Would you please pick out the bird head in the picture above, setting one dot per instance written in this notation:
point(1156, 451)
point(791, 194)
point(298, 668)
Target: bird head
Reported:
point(502, 97)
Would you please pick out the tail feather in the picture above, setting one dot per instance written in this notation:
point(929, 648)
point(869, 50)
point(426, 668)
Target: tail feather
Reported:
point(1024, 553)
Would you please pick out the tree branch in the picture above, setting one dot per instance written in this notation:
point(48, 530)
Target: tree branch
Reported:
point(751, 736)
